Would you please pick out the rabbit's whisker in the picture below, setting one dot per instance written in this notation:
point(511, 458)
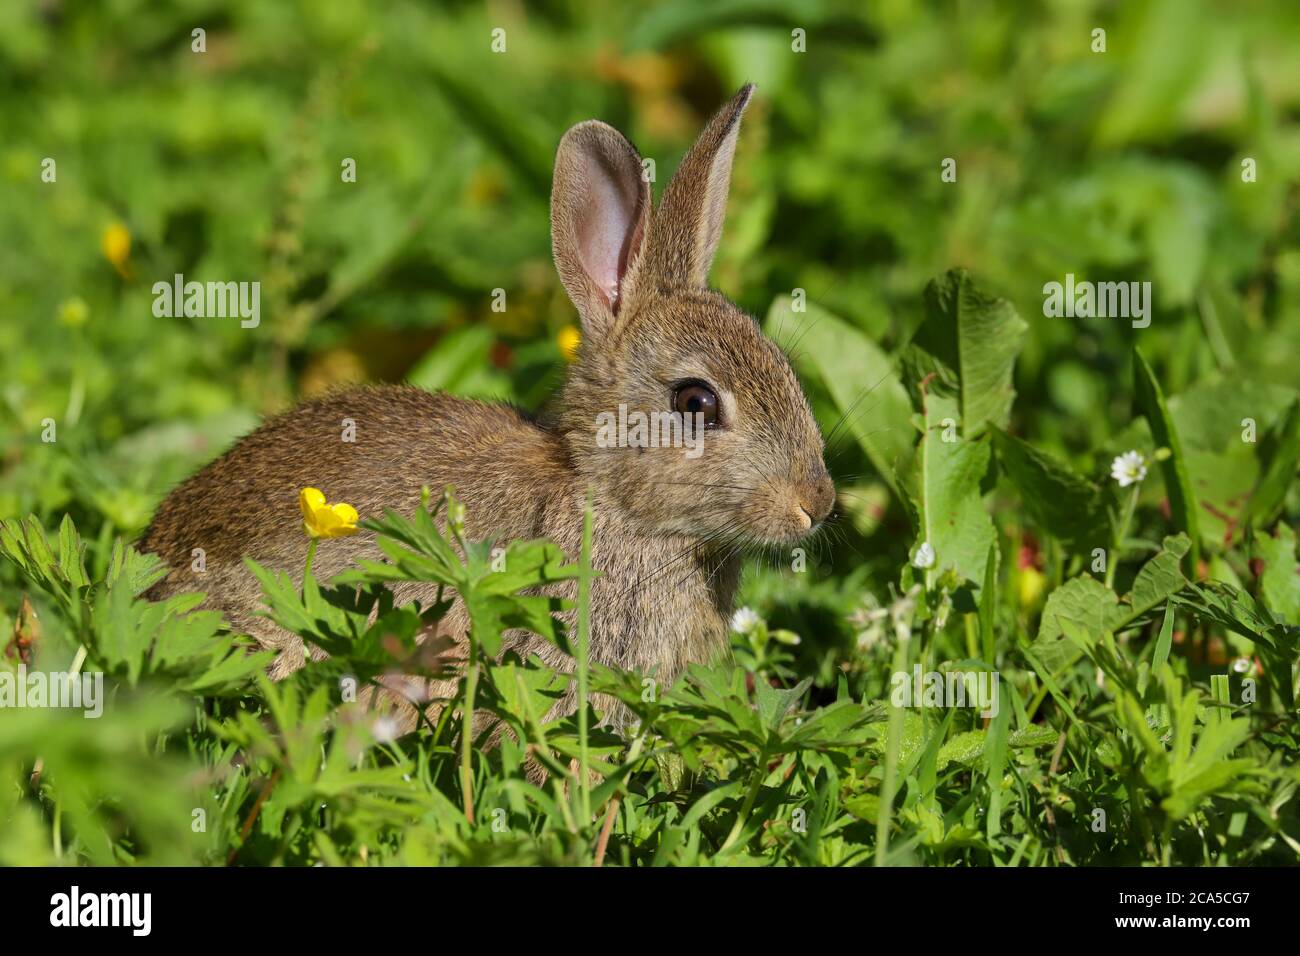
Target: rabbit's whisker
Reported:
point(694, 547)
point(702, 484)
point(849, 411)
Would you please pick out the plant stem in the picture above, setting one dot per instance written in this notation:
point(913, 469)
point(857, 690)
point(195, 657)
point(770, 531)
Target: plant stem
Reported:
point(584, 634)
point(755, 785)
point(311, 553)
point(467, 730)
point(1121, 532)
point(603, 843)
point(893, 743)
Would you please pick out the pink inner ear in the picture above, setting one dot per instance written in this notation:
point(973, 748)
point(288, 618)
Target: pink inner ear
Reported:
point(608, 228)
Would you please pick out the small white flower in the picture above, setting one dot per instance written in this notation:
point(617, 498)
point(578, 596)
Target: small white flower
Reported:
point(1128, 468)
point(384, 730)
point(924, 558)
point(1242, 664)
point(744, 620)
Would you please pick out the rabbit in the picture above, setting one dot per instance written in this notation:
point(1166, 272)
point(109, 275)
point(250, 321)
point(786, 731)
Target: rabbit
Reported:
point(669, 528)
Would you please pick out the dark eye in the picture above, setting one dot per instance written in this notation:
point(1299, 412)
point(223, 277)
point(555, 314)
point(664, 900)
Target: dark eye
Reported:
point(695, 398)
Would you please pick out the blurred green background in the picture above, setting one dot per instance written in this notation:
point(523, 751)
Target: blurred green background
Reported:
point(225, 165)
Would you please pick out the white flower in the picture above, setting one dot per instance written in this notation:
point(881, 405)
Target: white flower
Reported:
point(1129, 468)
point(384, 730)
point(924, 558)
point(1242, 664)
point(744, 620)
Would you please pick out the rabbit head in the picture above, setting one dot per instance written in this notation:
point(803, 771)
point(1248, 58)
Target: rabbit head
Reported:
point(658, 345)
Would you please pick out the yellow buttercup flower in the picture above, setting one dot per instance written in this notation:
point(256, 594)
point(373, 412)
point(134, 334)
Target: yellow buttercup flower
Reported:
point(116, 243)
point(568, 340)
point(321, 520)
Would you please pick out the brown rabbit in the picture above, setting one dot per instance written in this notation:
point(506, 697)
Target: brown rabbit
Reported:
point(668, 527)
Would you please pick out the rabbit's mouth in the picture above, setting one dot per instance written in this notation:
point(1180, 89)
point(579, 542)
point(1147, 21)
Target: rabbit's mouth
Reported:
point(787, 513)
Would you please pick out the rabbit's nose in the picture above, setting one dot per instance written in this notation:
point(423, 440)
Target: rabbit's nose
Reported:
point(818, 496)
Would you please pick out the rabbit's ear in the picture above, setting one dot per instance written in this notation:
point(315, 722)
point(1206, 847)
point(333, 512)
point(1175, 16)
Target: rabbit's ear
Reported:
point(600, 212)
point(688, 223)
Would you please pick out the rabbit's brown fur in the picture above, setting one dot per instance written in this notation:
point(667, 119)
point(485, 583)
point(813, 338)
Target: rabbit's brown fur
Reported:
point(668, 529)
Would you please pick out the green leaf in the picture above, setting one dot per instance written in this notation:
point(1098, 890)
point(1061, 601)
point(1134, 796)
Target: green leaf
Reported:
point(1279, 583)
point(1059, 500)
point(942, 492)
point(1279, 454)
point(1178, 486)
point(1158, 579)
point(995, 761)
point(460, 363)
point(1096, 610)
point(964, 748)
point(977, 337)
point(988, 606)
point(1164, 641)
point(773, 704)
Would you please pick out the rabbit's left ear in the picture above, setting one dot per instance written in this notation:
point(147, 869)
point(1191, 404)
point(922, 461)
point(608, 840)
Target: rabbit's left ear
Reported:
point(688, 223)
point(600, 211)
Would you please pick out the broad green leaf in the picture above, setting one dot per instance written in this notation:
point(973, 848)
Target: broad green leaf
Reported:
point(1096, 610)
point(1158, 579)
point(942, 492)
point(963, 748)
point(1209, 416)
point(1062, 502)
point(977, 337)
point(774, 704)
point(1279, 583)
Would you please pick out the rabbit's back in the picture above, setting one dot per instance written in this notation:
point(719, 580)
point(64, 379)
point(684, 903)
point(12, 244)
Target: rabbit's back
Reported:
point(373, 448)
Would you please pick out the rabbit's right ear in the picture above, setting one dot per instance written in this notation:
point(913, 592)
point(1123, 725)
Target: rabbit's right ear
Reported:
point(600, 213)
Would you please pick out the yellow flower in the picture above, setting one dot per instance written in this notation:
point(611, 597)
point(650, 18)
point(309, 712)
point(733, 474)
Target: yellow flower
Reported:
point(321, 520)
point(1031, 587)
point(569, 340)
point(116, 243)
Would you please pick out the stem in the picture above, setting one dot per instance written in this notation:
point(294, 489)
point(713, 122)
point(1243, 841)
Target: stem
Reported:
point(893, 743)
point(584, 635)
point(77, 663)
point(247, 828)
point(1121, 532)
point(311, 553)
point(467, 730)
point(755, 784)
point(603, 843)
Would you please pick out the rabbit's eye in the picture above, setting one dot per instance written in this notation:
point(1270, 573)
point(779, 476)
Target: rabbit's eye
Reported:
point(694, 398)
